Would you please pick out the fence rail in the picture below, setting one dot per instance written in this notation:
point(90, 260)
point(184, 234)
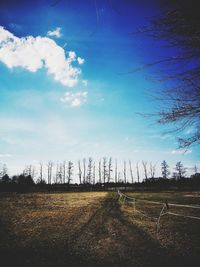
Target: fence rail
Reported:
point(164, 210)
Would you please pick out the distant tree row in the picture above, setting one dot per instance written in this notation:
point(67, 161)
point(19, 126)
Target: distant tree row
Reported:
point(89, 172)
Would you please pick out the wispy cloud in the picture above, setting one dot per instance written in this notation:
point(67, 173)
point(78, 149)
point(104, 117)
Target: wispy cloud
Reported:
point(75, 99)
point(34, 53)
point(56, 32)
point(6, 156)
point(24, 133)
point(161, 136)
point(181, 152)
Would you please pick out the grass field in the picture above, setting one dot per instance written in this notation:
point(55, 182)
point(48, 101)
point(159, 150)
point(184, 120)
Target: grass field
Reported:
point(94, 229)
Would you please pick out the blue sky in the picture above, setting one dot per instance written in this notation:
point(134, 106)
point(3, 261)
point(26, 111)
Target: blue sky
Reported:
point(65, 91)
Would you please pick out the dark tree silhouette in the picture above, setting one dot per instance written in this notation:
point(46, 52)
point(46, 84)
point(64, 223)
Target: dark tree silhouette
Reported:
point(125, 179)
point(3, 171)
point(165, 169)
point(23, 179)
point(116, 172)
point(109, 169)
point(144, 164)
point(131, 172)
point(70, 171)
point(105, 172)
point(89, 170)
point(5, 179)
point(138, 172)
point(180, 170)
point(49, 171)
point(152, 170)
point(100, 172)
point(79, 172)
point(180, 26)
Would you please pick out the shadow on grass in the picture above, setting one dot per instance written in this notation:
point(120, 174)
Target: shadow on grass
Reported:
point(107, 238)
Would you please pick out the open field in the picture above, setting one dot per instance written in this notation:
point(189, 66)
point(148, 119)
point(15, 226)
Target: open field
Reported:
point(94, 229)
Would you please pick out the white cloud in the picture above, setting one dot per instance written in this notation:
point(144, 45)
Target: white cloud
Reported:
point(181, 152)
point(56, 32)
point(80, 60)
point(72, 56)
point(75, 99)
point(34, 53)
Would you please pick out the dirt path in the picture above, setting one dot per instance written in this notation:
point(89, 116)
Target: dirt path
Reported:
point(107, 239)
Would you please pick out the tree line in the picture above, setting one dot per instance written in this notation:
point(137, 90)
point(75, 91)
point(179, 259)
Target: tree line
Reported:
point(90, 172)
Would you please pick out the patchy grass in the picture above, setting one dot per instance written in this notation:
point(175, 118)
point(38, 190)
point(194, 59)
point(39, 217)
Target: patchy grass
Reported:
point(92, 229)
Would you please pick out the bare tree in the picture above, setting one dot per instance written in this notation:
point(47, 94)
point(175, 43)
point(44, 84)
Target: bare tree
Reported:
point(49, 171)
point(25, 171)
point(144, 164)
point(94, 173)
point(180, 170)
point(33, 172)
point(4, 177)
point(0, 173)
point(57, 173)
point(131, 172)
point(104, 169)
point(165, 169)
point(4, 170)
point(125, 180)
point(185, 112)
point(60, 173)
point(179, 26)
point(109, 169)
point(69, 171)
point(195, 169)
point(100, 171)
point(41, 171)
point(79, 172)
point(152, 170)
point(64, 167)
point(29, 169)
point(119, 177)
point(89, 171)
point(84, 170)
point(138, 172)
point(116, 172)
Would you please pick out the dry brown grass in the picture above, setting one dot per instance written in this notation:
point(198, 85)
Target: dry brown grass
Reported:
point(92, 229)
point(40, 217)
point(178, 234)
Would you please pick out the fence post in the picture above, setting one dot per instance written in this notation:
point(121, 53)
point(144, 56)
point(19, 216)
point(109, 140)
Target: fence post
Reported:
point(165, 205)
